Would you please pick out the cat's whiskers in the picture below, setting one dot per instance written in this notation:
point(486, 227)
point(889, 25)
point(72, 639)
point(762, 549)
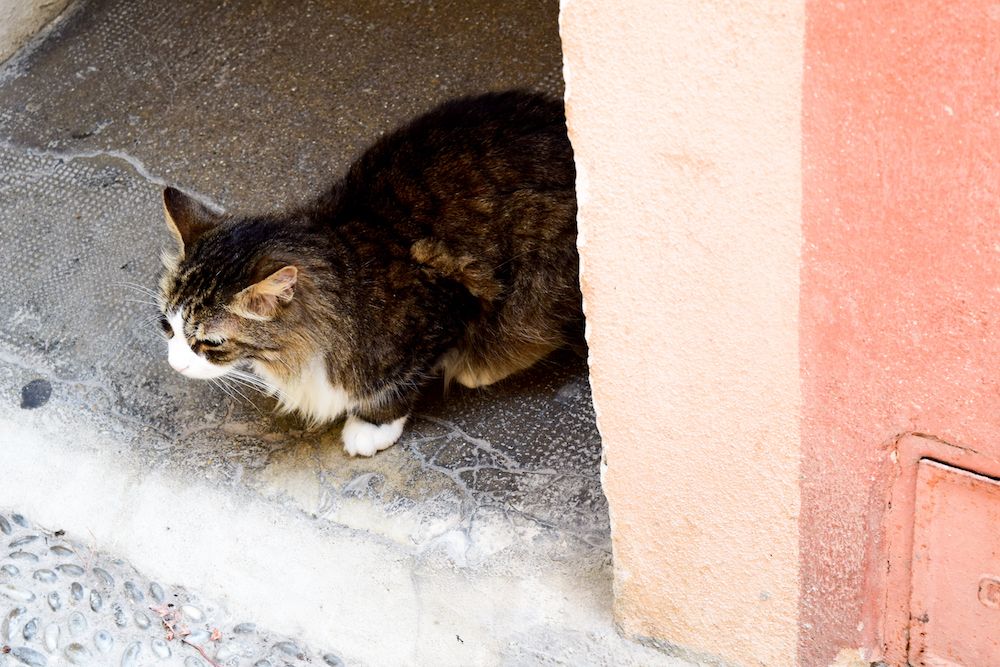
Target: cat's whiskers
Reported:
point(229, 388)
point(249, 381)
point(283, 363)
point(224, 380)
point(136, 286)
point(266, 390)
point(235, 372)
point(215, 383)
point(148, 303)
point(141, 289)
point(259, 386)
point(144, 327)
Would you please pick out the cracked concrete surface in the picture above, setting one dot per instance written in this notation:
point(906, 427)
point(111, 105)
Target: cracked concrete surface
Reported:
point(486, 522)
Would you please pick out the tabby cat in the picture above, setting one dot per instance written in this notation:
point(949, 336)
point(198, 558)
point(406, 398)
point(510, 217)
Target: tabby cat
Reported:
point(449, 248)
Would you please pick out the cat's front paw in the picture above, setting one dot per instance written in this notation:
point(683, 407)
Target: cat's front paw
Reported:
point(363, 438)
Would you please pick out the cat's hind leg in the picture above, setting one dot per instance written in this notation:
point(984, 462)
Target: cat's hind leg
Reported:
point(474, 371)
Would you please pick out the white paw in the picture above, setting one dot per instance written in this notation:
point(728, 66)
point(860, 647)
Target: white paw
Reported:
point(362, 438)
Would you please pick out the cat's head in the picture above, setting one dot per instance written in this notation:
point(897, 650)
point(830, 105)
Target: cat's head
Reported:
point(228, 294)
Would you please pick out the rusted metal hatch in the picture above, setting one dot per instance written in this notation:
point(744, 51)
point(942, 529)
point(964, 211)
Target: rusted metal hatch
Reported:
point(955, 597)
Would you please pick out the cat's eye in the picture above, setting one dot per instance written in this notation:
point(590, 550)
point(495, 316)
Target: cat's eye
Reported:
point(165, 325)
point(209, 342)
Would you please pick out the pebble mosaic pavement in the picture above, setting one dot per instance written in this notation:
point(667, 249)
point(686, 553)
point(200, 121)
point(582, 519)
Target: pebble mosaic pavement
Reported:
point(62, 603)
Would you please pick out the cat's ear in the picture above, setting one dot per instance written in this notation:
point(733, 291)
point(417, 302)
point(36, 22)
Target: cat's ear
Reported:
point(187, 218)
point(261, 300)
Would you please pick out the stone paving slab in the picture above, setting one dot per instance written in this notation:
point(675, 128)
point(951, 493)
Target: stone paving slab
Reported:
point(61, 603)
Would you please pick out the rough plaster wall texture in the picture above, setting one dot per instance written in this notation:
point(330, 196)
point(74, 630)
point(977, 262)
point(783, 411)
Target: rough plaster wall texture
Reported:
point(20, 19)
point(685, 122)
point(900, 275)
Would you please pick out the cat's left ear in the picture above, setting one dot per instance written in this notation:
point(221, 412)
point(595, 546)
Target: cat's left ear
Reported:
point(262, 300)
point(187, 218)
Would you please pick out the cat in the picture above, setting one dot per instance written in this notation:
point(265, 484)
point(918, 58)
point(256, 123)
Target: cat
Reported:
point(448, 248)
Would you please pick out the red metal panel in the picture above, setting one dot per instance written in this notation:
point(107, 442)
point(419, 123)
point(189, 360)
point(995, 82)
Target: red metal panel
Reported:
point(955, 597)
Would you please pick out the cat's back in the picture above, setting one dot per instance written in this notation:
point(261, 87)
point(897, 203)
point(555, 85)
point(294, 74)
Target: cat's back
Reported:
point(466, 157)
point(466, 217)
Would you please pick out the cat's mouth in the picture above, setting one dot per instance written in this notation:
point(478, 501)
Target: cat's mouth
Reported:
point(192, 366)
point(202, 371)
point(183, 360)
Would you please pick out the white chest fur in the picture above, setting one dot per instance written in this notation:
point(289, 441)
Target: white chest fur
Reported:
point(311, 393)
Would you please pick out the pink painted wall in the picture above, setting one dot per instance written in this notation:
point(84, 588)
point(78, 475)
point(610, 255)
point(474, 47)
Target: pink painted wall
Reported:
point(900, 303)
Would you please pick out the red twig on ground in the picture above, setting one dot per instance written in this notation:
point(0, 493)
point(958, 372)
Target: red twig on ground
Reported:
point(202, 651)
point(172, 618)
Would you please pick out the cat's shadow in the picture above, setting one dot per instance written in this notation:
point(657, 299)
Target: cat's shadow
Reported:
point(527, 446)
point(539, 419)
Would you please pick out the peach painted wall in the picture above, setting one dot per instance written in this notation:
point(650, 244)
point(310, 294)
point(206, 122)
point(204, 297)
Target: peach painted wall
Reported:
point(685, 121)
point(900, 278)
